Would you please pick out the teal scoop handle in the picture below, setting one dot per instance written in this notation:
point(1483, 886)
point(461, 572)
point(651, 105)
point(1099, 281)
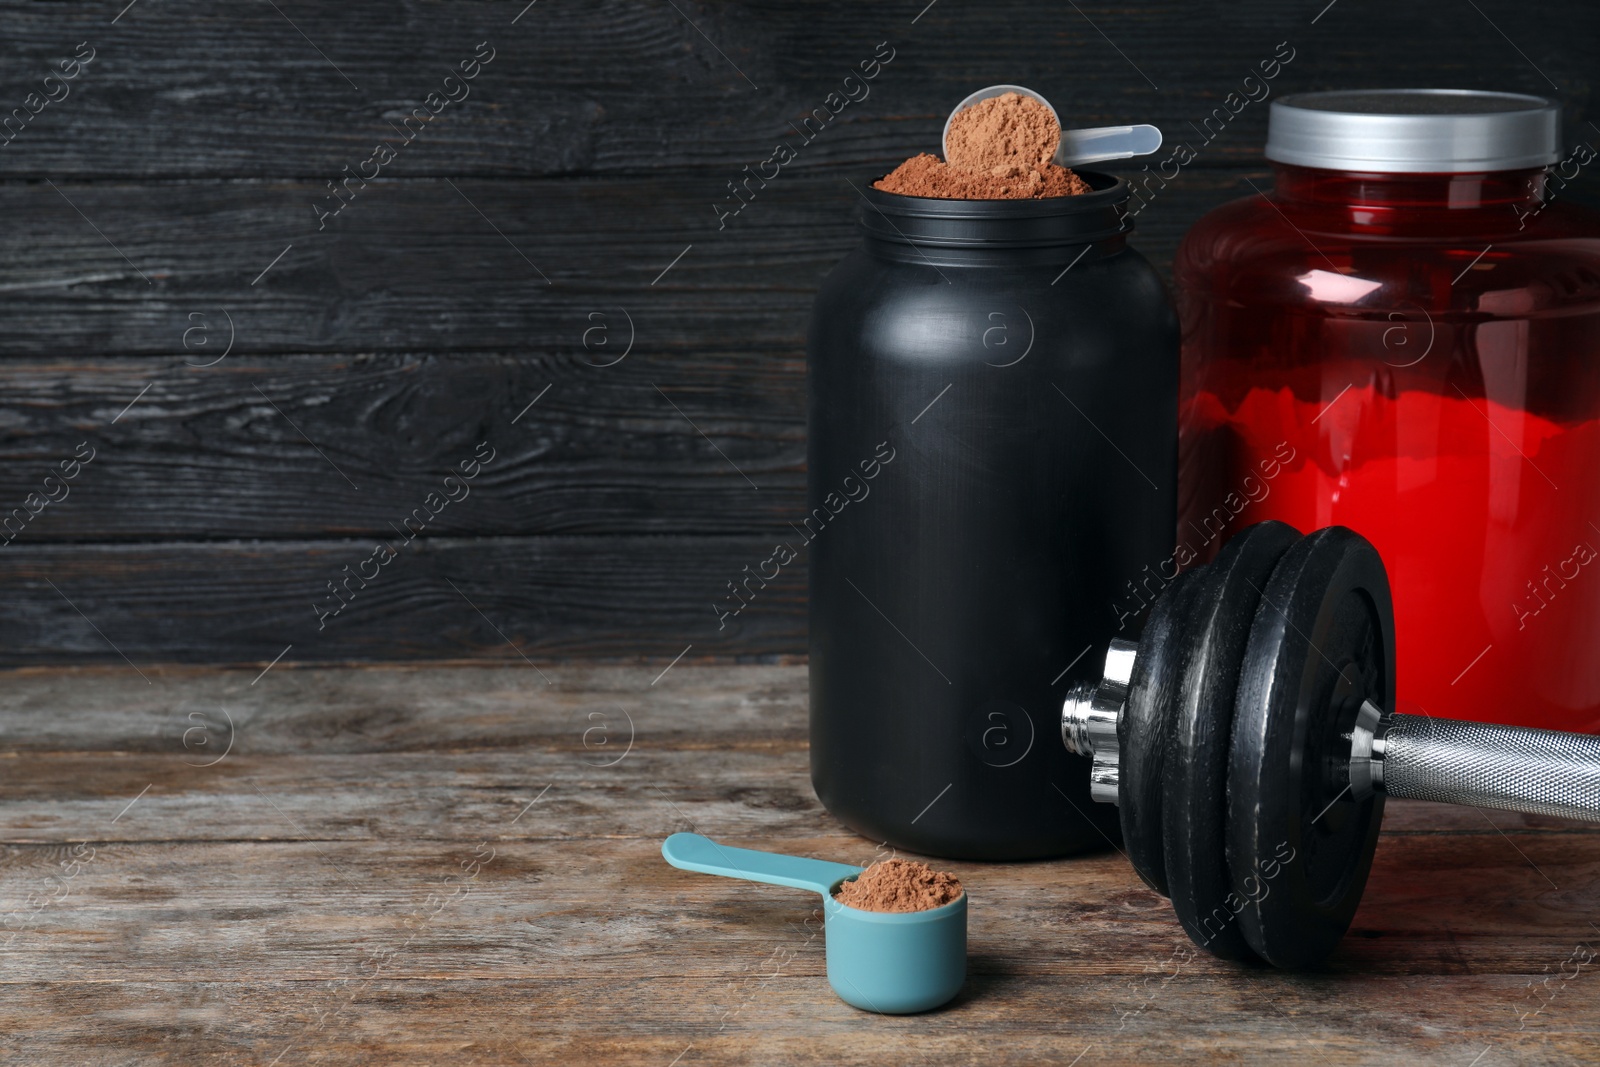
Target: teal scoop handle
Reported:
point(694, 852)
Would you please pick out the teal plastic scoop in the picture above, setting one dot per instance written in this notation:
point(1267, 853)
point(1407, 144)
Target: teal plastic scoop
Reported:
point(893, 962)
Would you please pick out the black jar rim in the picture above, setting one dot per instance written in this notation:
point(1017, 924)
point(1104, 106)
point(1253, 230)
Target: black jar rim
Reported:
point(1055, 221)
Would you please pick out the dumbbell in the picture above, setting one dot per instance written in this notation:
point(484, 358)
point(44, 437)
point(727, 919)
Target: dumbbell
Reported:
point(1249, 742)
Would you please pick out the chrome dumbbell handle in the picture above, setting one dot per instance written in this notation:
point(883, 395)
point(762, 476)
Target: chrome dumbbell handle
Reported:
point(1482, 765)
point(1540, 772)
point(1089, 719)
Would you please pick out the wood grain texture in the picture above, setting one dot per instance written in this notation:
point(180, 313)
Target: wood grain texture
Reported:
point(328, 711)
point(305, 896)
point(710, 393)
point(180, 90)
point(413, 267)
point(242, 602)
point(254, 447)
point(746, 1018)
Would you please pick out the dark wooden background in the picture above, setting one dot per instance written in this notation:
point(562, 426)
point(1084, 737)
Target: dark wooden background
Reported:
point(463, 285)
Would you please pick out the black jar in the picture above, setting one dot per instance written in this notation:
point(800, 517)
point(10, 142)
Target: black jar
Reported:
point(992, 469)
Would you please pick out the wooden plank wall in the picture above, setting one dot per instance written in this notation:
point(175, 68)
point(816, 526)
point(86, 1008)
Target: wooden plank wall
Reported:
point(172, 203)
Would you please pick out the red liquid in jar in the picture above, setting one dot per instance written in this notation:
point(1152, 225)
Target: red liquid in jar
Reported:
point(1416, 357)
point(1485, 520)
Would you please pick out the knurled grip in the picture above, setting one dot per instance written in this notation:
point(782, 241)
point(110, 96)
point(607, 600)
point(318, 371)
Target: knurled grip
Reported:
point(1540, 772)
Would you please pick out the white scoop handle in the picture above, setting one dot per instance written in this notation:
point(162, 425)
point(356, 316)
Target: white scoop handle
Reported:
point(1106, 142)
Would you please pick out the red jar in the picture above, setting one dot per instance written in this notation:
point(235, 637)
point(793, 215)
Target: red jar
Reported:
point(1403, 336)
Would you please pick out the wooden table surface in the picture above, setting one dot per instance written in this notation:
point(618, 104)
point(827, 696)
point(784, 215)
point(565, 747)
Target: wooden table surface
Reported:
point(461, 865)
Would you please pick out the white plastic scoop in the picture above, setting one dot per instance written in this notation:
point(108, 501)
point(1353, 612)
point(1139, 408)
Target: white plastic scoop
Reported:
point(1077, 147)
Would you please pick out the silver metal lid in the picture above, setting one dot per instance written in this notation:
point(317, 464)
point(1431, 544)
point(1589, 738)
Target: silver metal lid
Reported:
point(1415, 131)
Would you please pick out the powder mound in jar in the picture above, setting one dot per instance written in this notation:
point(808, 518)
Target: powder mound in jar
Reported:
point(927, 176)
point(899, 885)
point(1000, 149)
point(1009, 130)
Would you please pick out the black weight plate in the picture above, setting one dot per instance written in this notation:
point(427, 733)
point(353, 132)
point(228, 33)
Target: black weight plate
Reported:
point(1299, 847)
point(1195, 798)
point(1144, 727)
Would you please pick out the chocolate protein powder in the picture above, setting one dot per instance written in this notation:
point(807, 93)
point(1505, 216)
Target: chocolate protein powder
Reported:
point(1000, 149)
point(1005, 131)
point(899, 885)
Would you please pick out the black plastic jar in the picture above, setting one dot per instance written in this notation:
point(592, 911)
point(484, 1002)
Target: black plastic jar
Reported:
point(992, 467)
